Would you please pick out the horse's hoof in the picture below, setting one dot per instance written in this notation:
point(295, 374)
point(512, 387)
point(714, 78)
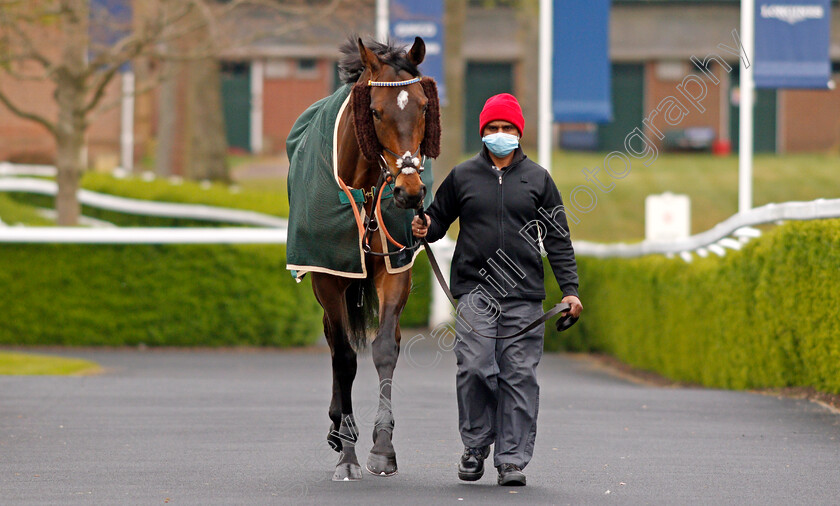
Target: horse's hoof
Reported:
point(382, 465)
point(347, 472)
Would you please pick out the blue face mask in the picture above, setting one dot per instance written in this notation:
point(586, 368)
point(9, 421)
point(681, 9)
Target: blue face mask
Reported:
point(501, 144)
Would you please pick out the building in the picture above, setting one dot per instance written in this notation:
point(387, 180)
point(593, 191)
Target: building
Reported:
point(267, 84)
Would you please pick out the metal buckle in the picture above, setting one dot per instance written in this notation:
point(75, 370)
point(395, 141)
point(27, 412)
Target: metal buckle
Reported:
point(368, 194)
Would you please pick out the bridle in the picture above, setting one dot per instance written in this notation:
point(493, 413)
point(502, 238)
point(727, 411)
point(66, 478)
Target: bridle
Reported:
point(408, 163)
point(365, 231)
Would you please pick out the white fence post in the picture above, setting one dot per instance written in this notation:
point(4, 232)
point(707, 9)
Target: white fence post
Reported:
point(441, 310)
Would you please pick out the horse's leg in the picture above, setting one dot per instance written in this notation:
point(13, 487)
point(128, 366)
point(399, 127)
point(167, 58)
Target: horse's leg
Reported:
point(329, 291)
point(393, 291)
point(333, 438)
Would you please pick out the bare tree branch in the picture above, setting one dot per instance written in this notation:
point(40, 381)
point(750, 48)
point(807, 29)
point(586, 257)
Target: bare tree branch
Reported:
point(31, 51)
point(4, 99)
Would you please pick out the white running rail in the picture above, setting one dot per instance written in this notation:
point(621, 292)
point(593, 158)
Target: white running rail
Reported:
point(146, 207)
point(16, 169)
point(139, 235)
point(717, 238)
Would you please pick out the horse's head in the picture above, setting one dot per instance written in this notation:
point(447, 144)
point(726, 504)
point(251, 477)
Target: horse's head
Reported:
point(397, 125)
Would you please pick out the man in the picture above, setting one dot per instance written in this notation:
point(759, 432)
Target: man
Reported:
point(509, 208)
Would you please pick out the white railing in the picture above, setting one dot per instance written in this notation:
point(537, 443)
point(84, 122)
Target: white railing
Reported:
point(717, 238)
point(138, 235)
point(146, 207)
point(18, 169)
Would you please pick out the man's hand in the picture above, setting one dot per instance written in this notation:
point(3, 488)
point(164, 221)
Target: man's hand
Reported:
point(573, 301)
point(418, 228)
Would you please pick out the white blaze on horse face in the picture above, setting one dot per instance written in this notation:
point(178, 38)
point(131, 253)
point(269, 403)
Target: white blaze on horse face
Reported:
point(402, 99)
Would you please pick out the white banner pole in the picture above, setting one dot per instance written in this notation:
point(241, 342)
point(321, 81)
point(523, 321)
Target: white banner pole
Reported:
point(382, 20)
point(544, 101)
point(127, 122)
point(747, 92)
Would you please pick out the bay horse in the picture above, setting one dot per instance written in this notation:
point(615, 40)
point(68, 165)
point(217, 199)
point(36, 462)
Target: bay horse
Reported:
point(391, 110)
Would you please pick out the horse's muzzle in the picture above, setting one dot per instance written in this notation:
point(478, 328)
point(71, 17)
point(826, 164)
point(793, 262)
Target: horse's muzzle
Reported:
point(405, 200)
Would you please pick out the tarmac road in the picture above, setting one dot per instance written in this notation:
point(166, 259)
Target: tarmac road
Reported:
point(248, 427)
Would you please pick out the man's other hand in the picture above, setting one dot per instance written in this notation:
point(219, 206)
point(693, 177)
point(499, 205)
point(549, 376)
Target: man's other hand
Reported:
point(418, 228)
point(573, 301)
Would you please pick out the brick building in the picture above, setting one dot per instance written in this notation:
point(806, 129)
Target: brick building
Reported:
point(267, 85)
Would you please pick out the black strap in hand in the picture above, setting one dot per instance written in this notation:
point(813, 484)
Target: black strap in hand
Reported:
point(562, 324)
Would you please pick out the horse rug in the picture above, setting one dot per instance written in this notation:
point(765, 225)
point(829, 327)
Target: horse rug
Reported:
point(322, 234)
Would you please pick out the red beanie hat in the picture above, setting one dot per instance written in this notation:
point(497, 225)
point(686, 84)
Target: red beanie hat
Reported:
point(502, 107)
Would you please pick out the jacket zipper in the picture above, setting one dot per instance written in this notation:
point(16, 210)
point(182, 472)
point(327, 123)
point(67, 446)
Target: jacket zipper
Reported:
point(501, 213)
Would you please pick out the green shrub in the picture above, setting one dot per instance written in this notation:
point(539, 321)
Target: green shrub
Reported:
point(29, 200)
point(13, 212)
point(157, 295)
point(161, 190)
point(765, 316)
point(416, 312)
point(188, 192)
point(186, 295)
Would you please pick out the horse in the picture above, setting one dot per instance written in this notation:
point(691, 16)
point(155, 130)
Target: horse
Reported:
point(391, 110)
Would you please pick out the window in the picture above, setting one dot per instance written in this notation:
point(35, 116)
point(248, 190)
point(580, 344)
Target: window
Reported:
point(307, 68)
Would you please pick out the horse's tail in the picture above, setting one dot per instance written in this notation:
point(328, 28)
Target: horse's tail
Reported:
point(362, 308)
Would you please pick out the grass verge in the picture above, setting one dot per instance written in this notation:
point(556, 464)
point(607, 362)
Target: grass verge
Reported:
point(24, 364)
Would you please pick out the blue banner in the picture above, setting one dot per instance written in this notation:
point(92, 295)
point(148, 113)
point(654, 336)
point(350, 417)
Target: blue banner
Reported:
point(581, 73)
point(791, 43)
point(424, 19)
point(110, 22)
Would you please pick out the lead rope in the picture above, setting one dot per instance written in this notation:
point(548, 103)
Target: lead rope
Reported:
point(377, 212)
point(562, 324)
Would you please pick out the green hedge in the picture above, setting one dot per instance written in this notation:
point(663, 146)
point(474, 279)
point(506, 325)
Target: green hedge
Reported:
point(766, 316)
point(30, 200)
point(13, 212)
point(416, 312)
point(81, 295)
point(159, 190)
point(188, 192)
point(157, 295)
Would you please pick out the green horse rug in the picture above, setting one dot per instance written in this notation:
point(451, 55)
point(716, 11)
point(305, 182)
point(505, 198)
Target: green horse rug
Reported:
point(322, 233)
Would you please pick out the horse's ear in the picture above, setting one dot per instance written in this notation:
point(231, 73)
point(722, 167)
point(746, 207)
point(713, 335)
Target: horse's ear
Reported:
point(417, 52)
point(363, 122)
point(431, 138)
point(369, 58)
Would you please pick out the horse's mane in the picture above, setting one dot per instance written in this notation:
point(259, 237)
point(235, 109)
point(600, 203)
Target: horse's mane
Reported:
point(350, 65)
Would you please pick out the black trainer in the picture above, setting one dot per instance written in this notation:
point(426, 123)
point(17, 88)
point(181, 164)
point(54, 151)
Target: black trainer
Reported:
point(471, 467)
point(511, 475)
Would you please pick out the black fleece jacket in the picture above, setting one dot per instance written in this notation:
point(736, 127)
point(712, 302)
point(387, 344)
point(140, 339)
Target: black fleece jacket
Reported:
point(498, 241)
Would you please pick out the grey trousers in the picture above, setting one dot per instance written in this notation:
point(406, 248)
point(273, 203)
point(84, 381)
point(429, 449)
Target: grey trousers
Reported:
point(497, 391)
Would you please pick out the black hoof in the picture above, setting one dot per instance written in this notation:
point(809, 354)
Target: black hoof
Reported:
point(382, 465)
point(333, 440)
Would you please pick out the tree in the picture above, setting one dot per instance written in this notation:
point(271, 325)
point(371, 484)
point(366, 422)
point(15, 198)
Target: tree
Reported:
point(79, 46)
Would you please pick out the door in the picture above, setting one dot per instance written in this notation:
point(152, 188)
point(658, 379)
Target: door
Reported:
point(628, 93)
point(483, 80)
point(236, 104)
point(764, 117)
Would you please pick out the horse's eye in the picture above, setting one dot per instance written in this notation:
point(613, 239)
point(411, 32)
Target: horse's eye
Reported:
point(425, 107)
point(376, 114)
